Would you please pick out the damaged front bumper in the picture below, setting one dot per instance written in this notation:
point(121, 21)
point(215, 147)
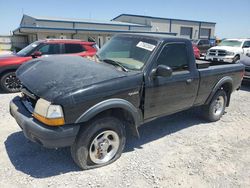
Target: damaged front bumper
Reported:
point(50, 137)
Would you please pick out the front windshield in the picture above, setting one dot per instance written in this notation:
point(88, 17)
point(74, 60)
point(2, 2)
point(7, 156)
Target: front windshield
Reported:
point(232, 43)
point(130, 52)
point(25, 51)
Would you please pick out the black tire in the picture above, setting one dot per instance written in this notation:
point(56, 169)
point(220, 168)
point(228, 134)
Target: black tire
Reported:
point(81, 149)
point(236, 58)
point(10, 83)
point(212, 111)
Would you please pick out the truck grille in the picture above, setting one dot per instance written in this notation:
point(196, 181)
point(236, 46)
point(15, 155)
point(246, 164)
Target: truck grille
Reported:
point(28, 99)
point(217, 53)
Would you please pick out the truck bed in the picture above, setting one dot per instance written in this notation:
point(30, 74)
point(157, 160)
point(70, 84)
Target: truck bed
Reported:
point(212, 72)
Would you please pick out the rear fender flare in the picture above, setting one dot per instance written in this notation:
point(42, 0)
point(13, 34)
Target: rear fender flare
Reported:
point(224, 80)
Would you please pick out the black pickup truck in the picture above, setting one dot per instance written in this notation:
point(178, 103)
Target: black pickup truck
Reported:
point(92, 105)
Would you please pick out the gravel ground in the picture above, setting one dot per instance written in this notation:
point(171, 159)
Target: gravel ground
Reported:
point(181, 150)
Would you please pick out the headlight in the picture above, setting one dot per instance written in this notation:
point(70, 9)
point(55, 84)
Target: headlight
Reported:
point(230, 53)
point(48, 114)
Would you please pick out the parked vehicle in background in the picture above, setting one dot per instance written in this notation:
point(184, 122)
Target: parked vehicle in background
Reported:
point(245, 60)
point(138, 78)
point(196, 52)
point(203, 45)
point(10, 63)
point(229, 50)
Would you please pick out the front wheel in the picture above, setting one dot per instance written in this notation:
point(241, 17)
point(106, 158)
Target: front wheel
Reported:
point(100, 143)
point(216, 108)
point(236, 58)
point(10, 83)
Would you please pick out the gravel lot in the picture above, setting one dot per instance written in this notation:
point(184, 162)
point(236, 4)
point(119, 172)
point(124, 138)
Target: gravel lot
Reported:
point(182, 150)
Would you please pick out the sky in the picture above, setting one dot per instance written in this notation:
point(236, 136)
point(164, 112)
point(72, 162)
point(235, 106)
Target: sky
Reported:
point(232, 16)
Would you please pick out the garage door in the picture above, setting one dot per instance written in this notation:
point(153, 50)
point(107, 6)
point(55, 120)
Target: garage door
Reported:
point(205, 33)
point(186, 32)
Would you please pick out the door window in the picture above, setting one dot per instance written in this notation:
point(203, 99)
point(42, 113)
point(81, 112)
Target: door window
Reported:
point(50, 49)
point(246, 44)
point(174, 56)
point(73, 48)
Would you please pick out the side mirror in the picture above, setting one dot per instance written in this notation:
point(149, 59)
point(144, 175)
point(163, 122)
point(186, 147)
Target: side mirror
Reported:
point(246, 47)
point(36, 54)
point(162, 70)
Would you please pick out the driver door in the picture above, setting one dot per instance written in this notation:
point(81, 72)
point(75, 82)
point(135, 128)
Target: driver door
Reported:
point(167, 95)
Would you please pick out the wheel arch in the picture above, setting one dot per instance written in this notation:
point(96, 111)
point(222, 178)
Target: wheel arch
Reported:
point(118, 108)
point(7, 70)
point(226, 83)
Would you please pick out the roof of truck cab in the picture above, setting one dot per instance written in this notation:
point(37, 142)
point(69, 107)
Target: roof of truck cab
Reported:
point(67, 41)
point(154, 36)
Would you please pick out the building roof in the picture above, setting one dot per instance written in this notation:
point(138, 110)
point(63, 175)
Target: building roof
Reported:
point(152, 17)
point(75, 31)
point(88, 21)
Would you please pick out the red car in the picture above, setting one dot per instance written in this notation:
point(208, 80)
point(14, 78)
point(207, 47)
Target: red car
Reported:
point(10, 63)
point(196, 52)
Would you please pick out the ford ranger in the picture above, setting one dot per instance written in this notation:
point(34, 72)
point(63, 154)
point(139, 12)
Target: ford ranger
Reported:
point(91, 106)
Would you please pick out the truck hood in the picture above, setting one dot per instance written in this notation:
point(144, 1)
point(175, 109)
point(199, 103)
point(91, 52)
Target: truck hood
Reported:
point(54, 76)
point(227, 48)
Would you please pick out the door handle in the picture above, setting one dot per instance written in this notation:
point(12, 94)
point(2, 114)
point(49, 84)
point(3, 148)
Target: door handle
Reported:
point(188, 81)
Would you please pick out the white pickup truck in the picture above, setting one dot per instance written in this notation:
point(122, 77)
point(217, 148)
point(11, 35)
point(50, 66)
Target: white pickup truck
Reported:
point(229, 50)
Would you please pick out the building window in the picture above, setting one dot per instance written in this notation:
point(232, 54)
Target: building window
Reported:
point(186, 32)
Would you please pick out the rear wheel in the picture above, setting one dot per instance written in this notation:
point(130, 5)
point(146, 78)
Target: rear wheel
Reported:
point(100, 143)
point(10, 83)
point(216, 108)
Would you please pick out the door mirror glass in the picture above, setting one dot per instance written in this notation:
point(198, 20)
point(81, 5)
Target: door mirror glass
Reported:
point(36, 54)
point(163, 71)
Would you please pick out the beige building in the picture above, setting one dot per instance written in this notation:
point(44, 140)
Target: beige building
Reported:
point(184, 28)
point(37, 28)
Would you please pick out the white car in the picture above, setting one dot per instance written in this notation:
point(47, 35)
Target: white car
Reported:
point(229, 50)
point(245, 60)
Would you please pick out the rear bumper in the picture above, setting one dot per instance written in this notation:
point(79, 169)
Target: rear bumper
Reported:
point(50, 137)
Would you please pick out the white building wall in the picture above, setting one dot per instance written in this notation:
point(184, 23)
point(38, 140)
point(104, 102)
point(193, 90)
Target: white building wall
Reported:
point(54, 24)
point(136, 20)
point(160, 25)
point(99, 26)
point(28, 21)
point(42, 36)
point(135, 28)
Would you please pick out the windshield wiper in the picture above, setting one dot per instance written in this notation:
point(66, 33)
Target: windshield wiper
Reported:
point(115, 63)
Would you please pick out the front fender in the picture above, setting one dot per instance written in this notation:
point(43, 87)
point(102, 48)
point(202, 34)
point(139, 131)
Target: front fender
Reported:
point(111, 104)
